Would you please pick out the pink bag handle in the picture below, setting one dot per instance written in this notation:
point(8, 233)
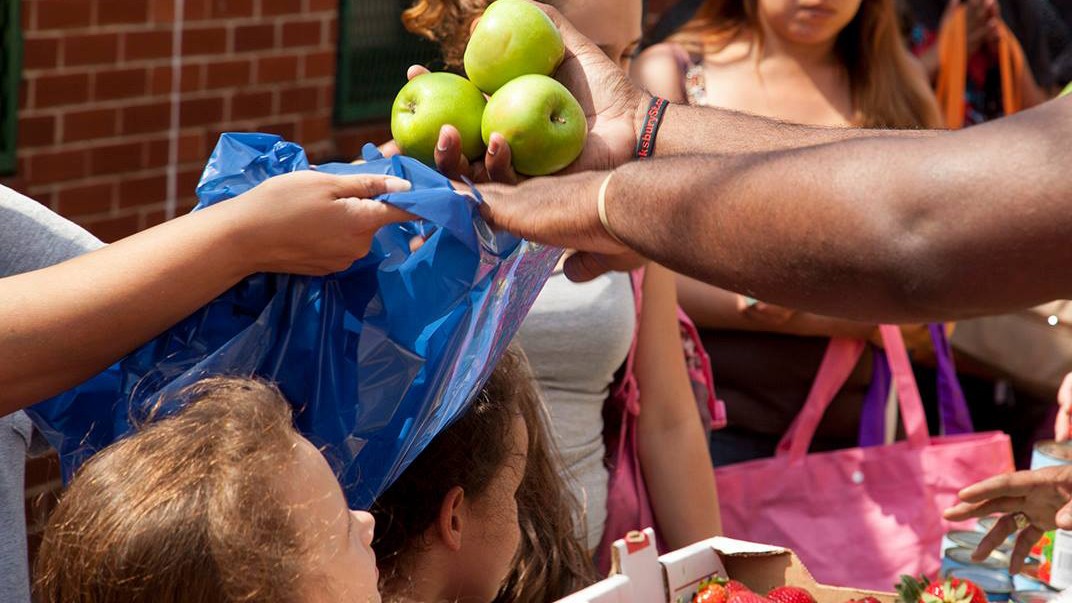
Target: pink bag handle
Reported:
point(627, 387)
point(838, 363)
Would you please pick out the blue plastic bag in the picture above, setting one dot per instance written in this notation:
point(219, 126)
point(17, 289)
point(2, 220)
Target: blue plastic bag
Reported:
point(376, 360)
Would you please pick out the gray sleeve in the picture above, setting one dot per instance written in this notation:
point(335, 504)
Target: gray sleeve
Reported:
point(33, 237)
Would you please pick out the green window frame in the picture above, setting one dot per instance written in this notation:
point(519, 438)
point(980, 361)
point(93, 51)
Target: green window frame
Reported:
point(10, 76)
point(374, 52)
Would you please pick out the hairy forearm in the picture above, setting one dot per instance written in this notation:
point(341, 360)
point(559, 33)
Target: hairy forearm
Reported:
point(65, 323)
point(880, 229)
point(690, 130)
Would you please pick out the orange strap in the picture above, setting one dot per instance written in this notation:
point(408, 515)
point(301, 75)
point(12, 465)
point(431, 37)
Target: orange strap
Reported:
point(1011, 60)
point(953, 68)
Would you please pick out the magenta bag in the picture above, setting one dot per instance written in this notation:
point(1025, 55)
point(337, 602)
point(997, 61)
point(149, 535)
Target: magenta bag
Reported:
point(859, 517)
point(628, 504)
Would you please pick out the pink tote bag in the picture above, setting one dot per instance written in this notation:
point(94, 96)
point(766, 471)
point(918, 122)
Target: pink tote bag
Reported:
point(859, 517)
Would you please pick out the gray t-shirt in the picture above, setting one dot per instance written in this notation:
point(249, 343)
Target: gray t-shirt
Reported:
point(31, 237)
point(576, 337)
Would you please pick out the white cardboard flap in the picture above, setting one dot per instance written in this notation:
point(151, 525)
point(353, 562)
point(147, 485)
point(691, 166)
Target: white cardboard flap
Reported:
point(637, 557)
point(687, 570)
point(729, 546)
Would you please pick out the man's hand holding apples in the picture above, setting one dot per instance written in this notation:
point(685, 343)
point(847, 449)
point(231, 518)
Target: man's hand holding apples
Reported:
point(609, 110)
point(612, 106)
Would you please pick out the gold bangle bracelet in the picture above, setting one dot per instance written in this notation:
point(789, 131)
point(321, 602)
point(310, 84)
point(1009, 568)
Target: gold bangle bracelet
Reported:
point(602, 208)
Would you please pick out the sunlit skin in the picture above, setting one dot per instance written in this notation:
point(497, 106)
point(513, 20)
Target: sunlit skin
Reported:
point(468, 552)
point(342, 565)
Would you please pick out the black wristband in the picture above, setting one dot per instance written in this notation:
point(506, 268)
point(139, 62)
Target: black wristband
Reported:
point(645, 146)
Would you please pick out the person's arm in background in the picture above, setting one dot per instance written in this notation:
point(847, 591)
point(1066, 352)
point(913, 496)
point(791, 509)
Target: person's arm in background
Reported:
point(671, 440)
point(62, 324)
point(713, 308)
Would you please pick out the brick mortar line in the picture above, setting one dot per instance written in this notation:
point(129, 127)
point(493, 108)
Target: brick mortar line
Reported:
point(239, 124)
point(149, 26)
point(116, 213)
point(57, 110)
point(149, 63)
point(116, 179)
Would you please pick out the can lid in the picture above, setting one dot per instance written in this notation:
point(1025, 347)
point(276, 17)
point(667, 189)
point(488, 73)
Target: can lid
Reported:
point(1035, 596)
point(963, 555)
point(991, 581)
point(971, 540)
point(1057, 450)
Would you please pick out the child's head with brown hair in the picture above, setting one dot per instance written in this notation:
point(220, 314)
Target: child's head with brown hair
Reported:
point(483, 511)
point(613, 25)
point(223, 501)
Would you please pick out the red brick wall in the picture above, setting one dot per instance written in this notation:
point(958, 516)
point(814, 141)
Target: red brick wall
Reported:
point(95, 112)
point(95, 117)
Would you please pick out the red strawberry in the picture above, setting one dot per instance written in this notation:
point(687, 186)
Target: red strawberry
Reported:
point(712, 593)
point(790, 594)
point(747, 597)
point(953, 590)
point(864, 600)
point(733, 586)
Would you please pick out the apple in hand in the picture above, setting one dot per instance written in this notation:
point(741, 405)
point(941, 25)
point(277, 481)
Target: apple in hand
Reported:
point(513, 38)
point(429, 102)
point(1066, 91)
point(544, 125)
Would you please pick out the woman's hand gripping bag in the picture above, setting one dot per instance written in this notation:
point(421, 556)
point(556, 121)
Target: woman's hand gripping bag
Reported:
point(376, 359)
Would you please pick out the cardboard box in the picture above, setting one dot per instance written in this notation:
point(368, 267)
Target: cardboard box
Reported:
point(762, 568)
point(641, 576)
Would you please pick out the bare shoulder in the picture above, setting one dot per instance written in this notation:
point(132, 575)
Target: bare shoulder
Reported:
point(659, 70)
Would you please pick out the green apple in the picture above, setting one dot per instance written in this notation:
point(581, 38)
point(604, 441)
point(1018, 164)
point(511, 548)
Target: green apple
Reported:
point(1067, 90)
point(544, 125)
point(513, 38)
point(429, 102)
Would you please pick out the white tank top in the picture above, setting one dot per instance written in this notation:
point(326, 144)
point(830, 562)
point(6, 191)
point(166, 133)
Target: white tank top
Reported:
point(576, 337)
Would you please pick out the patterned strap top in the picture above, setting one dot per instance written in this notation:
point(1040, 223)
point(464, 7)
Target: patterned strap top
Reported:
point(695, 79)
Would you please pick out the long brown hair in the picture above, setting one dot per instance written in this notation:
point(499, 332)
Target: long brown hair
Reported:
point(445, 22)
point(181, 511)
point(550, 562)
point(888, 91)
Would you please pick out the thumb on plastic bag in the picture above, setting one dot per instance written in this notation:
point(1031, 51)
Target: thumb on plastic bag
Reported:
point(372, 214)
point(367, 186)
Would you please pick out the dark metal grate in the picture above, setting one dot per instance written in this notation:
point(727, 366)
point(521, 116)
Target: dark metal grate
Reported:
point(374, 52)
point(10, 67)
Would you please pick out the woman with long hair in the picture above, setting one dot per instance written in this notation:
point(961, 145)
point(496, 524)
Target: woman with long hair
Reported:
point(837, 63)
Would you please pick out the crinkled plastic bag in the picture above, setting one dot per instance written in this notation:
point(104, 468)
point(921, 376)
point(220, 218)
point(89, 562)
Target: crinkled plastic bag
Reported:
point(376, 360)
